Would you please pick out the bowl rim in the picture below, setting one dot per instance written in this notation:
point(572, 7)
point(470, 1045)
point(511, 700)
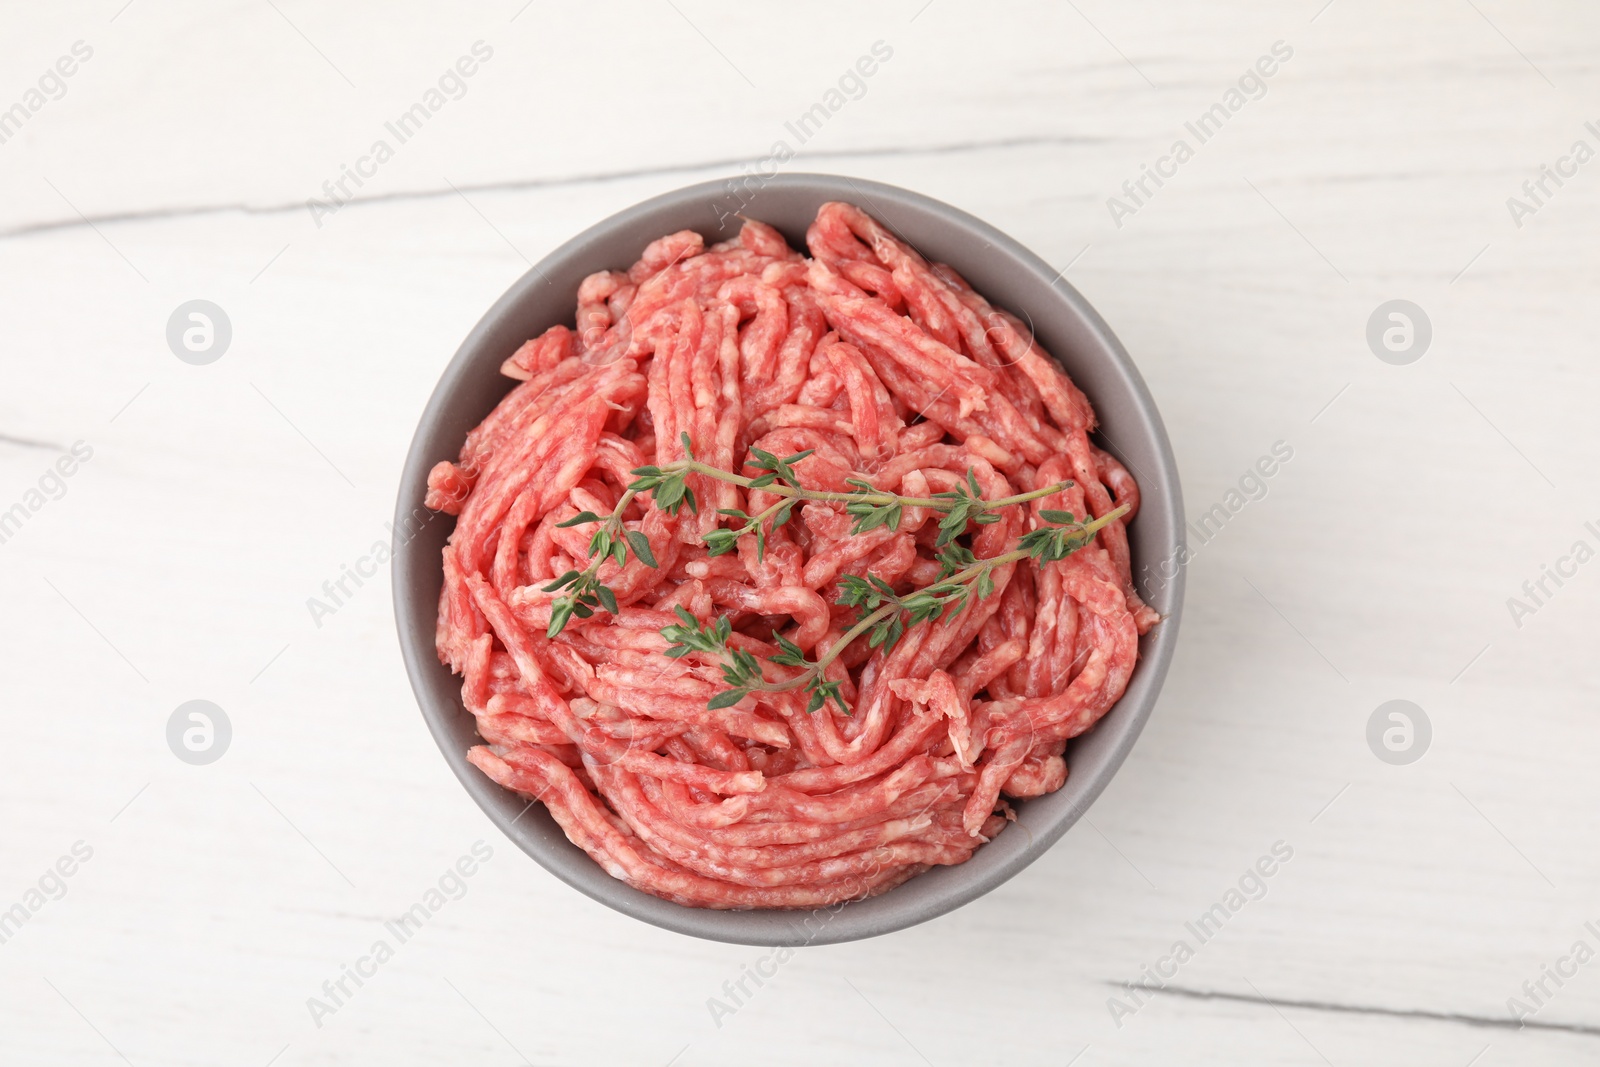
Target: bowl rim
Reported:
point(737, 927)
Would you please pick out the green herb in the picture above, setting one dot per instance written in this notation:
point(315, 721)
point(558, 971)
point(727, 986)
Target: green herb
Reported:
point(582, 592)
point(883, 615)
point(742, 671)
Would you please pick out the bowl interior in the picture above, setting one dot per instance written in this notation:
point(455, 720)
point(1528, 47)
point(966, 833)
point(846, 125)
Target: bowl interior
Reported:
point(1006, 273)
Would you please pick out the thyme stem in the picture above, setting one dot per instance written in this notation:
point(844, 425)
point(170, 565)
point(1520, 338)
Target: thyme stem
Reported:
point(881, 618)
point(831, 496)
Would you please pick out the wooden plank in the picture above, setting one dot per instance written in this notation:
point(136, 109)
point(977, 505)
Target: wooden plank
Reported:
point(1376, 566)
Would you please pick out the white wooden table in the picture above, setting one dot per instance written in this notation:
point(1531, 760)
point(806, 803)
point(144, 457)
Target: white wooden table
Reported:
point(1375, 165)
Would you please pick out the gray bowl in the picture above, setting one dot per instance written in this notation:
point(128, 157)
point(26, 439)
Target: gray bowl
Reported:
point(997, 266)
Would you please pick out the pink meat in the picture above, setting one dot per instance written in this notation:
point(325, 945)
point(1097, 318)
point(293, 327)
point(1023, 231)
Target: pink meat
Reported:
point(889, 369)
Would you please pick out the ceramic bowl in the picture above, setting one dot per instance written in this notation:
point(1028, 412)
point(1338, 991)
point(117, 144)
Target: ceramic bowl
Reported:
point(1012, 278)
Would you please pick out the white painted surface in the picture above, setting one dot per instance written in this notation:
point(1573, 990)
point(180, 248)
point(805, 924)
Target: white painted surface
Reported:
point(177, 564)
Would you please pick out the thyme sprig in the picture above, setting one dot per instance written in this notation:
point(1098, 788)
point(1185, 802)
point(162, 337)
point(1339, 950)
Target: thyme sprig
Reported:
point(742, 672)
point(582, 592)
point(882, 614)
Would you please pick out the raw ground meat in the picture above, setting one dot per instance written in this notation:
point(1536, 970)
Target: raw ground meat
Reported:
point(893, 371)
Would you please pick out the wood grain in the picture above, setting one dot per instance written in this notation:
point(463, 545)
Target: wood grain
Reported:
point(1375, 166)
